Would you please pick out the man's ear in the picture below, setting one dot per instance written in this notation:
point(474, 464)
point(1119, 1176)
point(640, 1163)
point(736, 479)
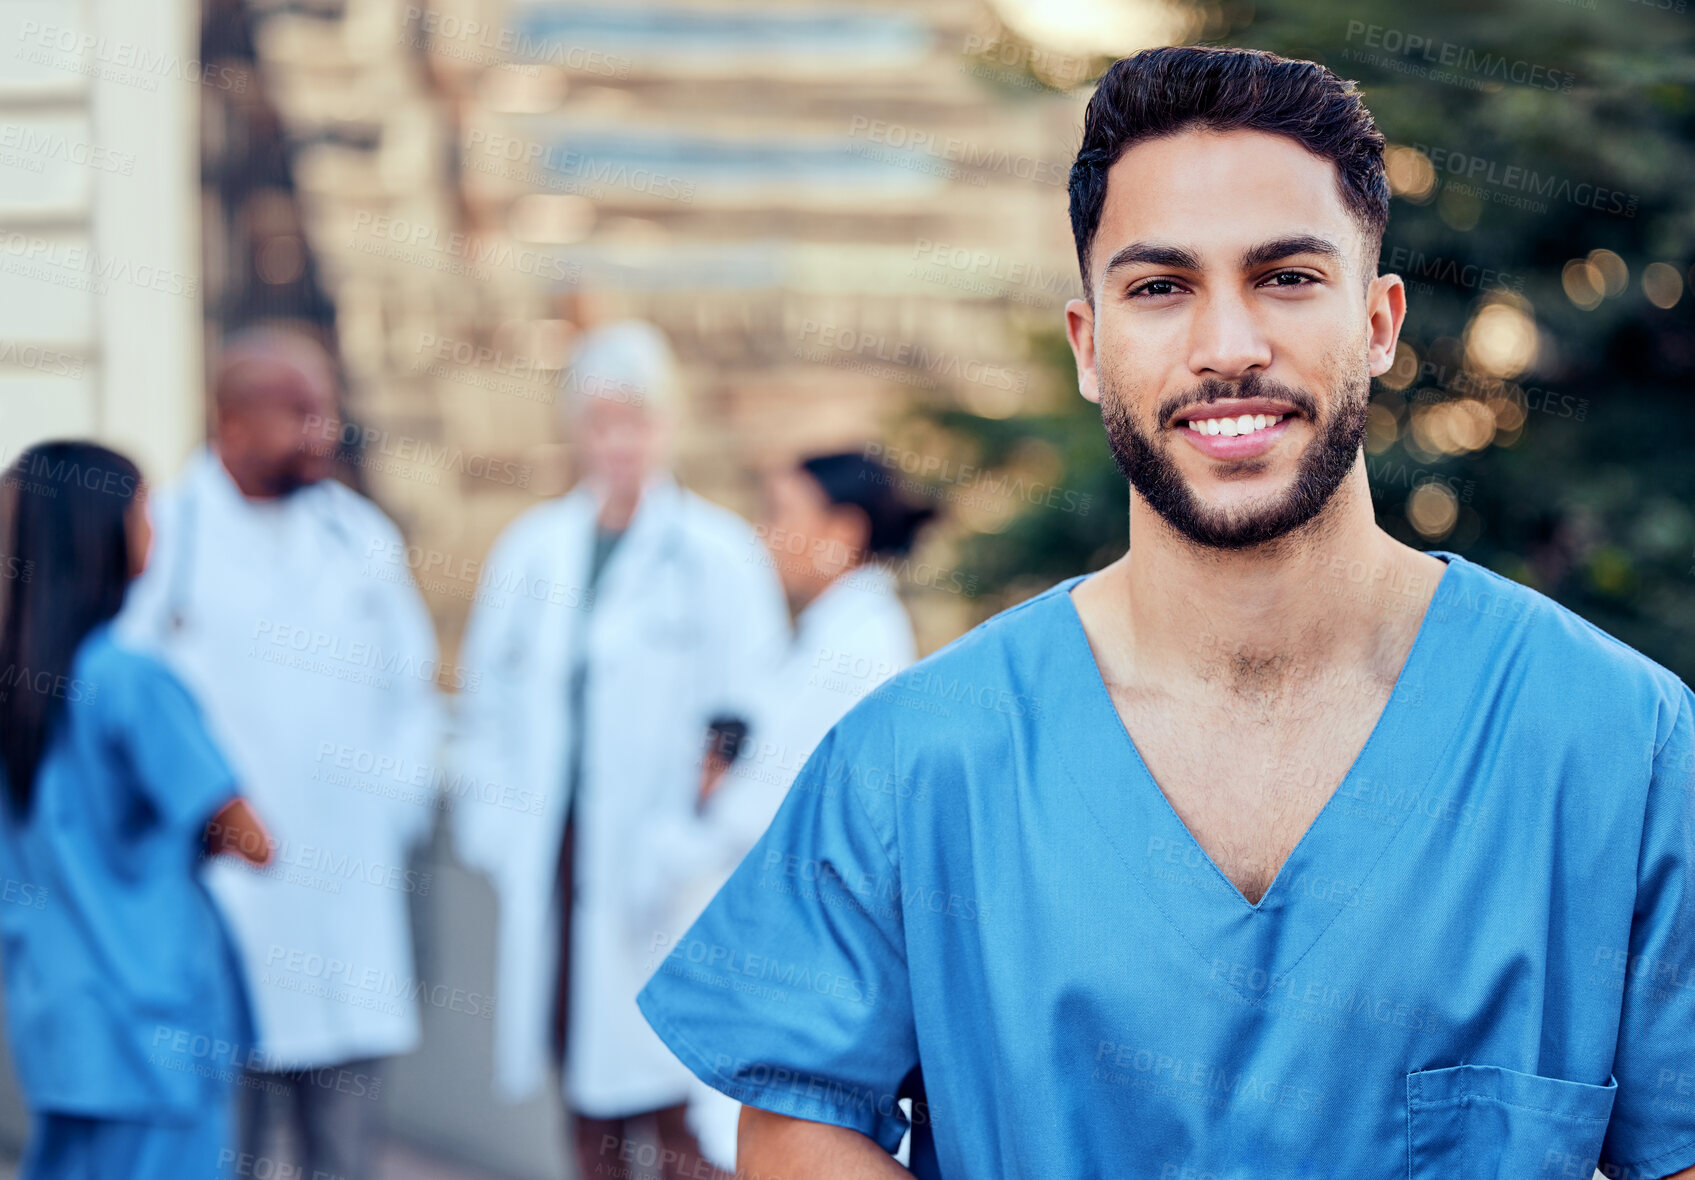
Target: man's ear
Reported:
point(1080, 331)
point(1386, 311)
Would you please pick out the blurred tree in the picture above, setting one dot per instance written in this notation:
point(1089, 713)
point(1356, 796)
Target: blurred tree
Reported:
point(1539, 415)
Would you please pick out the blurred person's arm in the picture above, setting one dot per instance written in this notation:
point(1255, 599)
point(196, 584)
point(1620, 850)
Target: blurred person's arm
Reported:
point(724, 738)
point(486, 738)
point(745, 619)
point(776, 1147)
point(237, 831)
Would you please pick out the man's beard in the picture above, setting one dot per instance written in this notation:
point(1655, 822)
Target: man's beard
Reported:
point(295, 476)
point(1323, 467)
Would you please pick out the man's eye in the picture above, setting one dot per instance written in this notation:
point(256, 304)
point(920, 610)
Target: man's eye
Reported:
point(1291, 278)
point(1154, 287)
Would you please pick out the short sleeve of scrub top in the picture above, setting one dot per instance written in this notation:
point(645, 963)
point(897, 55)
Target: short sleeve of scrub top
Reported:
point(800, 959)
point(1653, 1120)
point(177, 767)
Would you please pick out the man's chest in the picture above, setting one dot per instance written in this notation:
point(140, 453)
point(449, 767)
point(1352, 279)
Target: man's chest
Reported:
point(1247, 781)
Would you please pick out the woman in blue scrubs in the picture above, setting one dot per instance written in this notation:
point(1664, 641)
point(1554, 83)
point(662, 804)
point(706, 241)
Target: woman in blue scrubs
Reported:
point(123, 1006)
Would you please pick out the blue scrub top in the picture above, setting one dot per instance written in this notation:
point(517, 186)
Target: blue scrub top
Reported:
point(122, 998)
point(1478, 961)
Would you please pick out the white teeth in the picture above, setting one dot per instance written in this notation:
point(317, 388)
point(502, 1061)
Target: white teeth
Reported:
point(1231, 427)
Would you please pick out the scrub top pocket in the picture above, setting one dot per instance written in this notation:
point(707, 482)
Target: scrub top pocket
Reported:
point(1482, 1121)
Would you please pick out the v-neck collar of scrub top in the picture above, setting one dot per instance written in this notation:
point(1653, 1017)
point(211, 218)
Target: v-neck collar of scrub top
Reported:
point(1334, 859)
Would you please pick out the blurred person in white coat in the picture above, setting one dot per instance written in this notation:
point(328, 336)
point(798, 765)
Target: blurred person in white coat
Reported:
point(282, 598)
point(612, 626)
point(832, 524)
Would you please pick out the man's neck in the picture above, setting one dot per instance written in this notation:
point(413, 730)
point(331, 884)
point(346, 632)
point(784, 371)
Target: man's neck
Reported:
point(1338, 593)
point(250, 488)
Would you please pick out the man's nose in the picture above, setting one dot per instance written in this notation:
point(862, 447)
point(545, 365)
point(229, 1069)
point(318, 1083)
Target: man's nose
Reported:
point(1226, 340)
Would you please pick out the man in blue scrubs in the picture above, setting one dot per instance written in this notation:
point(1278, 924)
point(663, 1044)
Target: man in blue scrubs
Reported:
point(1274, 849)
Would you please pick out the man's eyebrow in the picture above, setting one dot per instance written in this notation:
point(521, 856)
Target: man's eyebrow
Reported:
point(1280, 248)
point(1152, 254)
point(1182, 258)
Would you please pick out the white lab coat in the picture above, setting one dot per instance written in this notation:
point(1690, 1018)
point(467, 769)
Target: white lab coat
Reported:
point(848, 640)
point(297, 625)
point(685, 616)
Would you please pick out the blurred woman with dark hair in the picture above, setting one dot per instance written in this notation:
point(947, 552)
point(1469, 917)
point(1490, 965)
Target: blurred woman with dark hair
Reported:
point(832, 525)
point(123, 1005)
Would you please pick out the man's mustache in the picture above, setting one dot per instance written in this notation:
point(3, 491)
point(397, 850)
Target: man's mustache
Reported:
point(1215, 389)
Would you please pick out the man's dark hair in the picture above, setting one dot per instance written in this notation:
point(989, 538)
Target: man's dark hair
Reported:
point(1160, 92)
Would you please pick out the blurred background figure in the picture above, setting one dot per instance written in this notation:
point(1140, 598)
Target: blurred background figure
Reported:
point(283, 599)
point(633, 613)
point(120, 979)
point(830, 525)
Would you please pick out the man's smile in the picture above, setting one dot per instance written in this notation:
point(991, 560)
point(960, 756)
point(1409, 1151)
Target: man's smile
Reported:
point(1235, 428)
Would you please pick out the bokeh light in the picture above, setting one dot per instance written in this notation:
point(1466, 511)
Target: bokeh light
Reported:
point(1583, 284)
point(1432, 509)
point(1411, 175)
point(1662, 284)
point(1501, 339)
point(1615, 275)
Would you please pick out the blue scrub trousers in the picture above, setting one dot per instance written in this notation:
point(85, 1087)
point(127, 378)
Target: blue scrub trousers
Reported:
point(76, 1147)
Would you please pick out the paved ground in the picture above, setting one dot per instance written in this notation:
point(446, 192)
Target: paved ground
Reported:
point(399, 1163)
